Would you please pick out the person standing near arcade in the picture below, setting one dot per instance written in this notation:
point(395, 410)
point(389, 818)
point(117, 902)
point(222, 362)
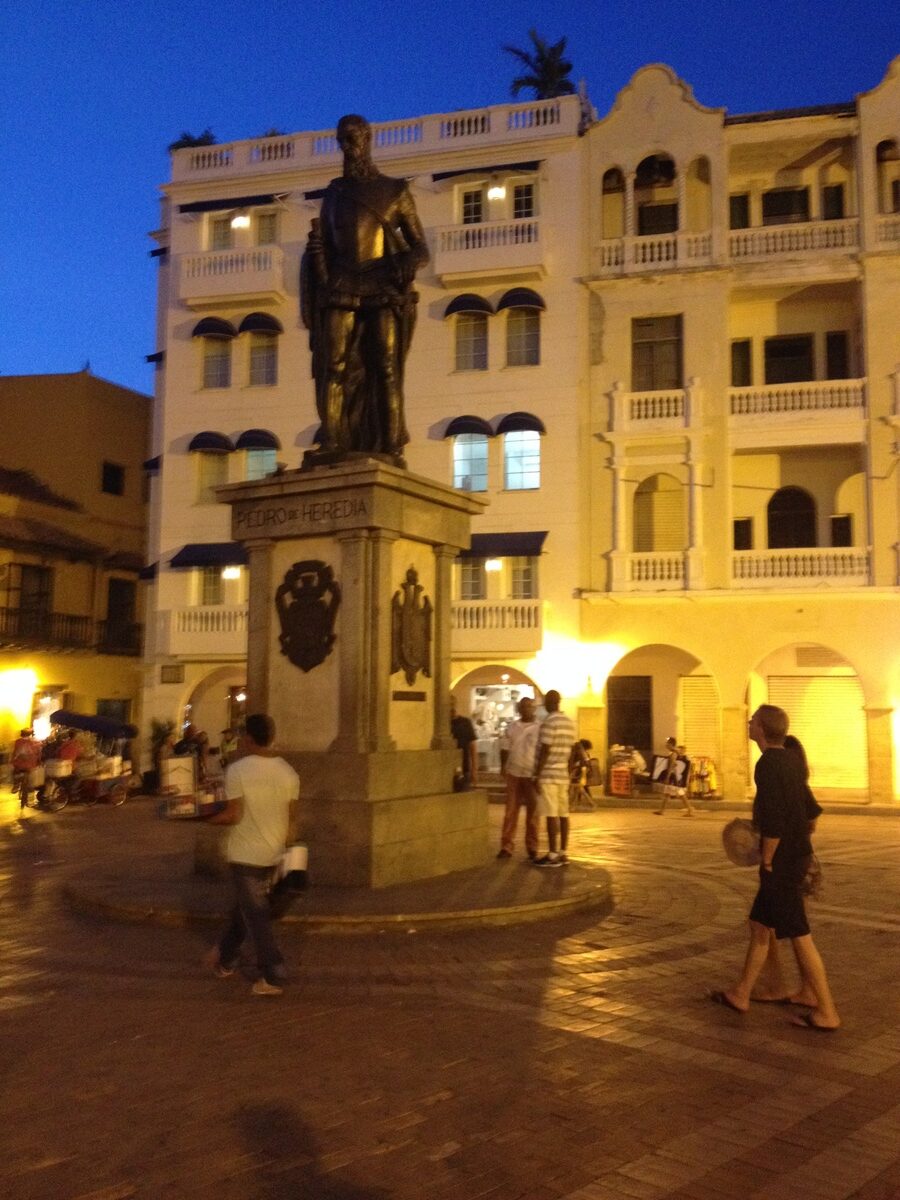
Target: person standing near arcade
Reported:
point(551, 776)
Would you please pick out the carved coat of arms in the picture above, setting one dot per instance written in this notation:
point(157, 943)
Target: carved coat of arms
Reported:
point(411, 613)
point(307, 603)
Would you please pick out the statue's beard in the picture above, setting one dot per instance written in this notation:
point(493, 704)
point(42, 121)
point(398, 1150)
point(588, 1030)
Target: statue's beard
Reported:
point(359, 168)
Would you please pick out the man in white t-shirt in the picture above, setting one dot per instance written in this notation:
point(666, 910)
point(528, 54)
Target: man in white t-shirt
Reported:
point(551, 776)
point(518, 748)
point(262, 792)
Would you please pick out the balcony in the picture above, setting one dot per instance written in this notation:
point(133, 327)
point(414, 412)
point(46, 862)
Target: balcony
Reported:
point(496, 626)
point(652, 412)
point(119, 637)
point(247, 276)
point(800, 568)
point(887, 230)
point(510, 249)
point(658, 571)
point(209, 631)
point(788, 241)
point(502, 124)
point(29, 628)
point(654, 252)
point(823, 411)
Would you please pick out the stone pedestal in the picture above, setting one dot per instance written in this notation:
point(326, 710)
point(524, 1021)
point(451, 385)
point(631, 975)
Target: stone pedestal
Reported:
point(349, 651)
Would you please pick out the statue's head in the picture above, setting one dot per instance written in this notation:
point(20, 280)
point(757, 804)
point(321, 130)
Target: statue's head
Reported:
point(354, 135)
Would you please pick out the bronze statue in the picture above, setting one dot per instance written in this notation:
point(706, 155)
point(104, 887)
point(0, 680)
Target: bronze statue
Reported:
point(358, 302)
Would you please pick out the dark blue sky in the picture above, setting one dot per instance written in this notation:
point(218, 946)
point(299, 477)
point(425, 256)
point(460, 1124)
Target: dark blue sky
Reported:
point(92, 91)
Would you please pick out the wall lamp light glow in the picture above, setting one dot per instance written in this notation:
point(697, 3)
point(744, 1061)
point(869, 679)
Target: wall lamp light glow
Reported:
point(231, 572)
point(493, 564)
point(240, 220)
point(16, 692)
point(496, 192)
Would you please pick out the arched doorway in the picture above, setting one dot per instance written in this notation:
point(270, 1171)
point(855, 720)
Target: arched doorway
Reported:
point(791, 518)
point(488, 695)
point(823, 697)
point(217, 702)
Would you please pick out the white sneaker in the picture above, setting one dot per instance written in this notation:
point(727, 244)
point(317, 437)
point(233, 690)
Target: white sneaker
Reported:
point(262, 987)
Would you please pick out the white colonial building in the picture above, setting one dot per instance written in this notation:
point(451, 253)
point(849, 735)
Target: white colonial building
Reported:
point(663, 344)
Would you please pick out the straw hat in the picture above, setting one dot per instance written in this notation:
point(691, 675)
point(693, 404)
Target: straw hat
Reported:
point(741, 841)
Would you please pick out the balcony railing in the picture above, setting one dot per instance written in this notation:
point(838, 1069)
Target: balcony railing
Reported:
point(512, 247)
point(213, 629)
point(436, 132)
point(504, 625)
point(793, 399)
point(220, 274)
point(53, 630)
point(655, 252)
point(800, 568)
point(887, 229)
point(119, 637)
point(782, 241)
point(656, 572)
point(649, 412)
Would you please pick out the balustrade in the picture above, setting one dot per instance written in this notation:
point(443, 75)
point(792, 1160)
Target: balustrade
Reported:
point(799, 566)
point(657, 571)
point(215, 273)
point(826, 395)
point(888, 228)
point(773, 240)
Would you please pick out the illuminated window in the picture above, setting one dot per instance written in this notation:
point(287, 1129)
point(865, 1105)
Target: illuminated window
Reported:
point(260, 463)
point(472, 579)
point(220, 234)
point(523, 200)
point(523, 337)
point(523, 578)
point(266, 228)
point(216, 363)
point(521, 460)
point(212, 588)
point(471, 342)
point(263, 360)
point(470, 462)
point(473, 206)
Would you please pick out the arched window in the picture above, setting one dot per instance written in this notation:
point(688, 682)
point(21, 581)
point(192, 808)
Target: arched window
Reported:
point(263, 360)
point(470, 462)
point(523, 337)
point(791, 518)
point(659, 523)
point(217, 335)
point(655, 195)
point(887, 158)
point(698, 217)
point(612, 215)
point(521, 460)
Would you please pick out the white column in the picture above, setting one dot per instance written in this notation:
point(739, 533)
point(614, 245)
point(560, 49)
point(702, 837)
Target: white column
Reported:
point(619, 555)
point(629, 204)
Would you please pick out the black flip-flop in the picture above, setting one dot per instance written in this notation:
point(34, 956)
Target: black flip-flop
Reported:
point(721, 998)
point(807, 1022)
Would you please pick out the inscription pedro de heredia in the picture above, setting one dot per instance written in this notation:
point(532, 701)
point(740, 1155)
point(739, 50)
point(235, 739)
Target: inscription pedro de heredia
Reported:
point(296, 516)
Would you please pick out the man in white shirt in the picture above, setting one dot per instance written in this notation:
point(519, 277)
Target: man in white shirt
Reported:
point(551, 776)
point(262, 792)
point(518, 748)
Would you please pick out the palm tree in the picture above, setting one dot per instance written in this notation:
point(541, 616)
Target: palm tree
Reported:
point(547, 70)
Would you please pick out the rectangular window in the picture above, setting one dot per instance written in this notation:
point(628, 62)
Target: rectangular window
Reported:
point(523, 337)
point(895, 195)
point(842, 530)
point(472, 579)
point(115, 710)
point(523, 577)
point(785, 206)
point(266, 228)
point(523, 200)
point(473, 206)
point(212, 590)
point(833, 202)
point(216, 363)
point(263, 360)
point(743, 533)
point(656, 344)
point(112, 479)
point(789, 359)
point(260, 463)
point(221, 236)
point(470, 462)
point(837, 355)
point(739, 211)
point(521, 460)
point(657, 218)
point(212, 470)
point(471, 342)
point(741, 363)
point(28, 594)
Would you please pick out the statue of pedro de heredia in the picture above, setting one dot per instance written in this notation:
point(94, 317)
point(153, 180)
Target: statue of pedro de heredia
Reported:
point(358, 303)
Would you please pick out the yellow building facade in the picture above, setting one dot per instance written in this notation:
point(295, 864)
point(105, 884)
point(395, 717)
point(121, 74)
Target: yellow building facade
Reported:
point(73, 520)
point(662, 342)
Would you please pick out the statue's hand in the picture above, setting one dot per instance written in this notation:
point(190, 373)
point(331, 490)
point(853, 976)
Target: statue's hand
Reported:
point(314, 242)
point(405, 264)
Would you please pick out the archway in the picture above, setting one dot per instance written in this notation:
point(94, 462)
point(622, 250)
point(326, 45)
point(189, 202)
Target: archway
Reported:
point(656, 196)
point(823, 697)
point(791, 519)
point(488, 695)
point(213, 704)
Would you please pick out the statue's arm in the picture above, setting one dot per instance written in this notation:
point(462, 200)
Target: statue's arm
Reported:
point(413, 234)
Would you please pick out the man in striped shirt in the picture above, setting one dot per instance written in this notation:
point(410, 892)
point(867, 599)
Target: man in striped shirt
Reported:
point(551, 776)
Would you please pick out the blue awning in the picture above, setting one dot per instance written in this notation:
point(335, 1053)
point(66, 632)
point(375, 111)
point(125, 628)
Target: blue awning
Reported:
point(152, 465)
point(257, 439)
point(520, 298)
point(211, 442)
point(506, 545)
point(214, 327)
point(468, 424)
point(210, 554)
point(468, 302)
point(260, 322)
point(201, 206)
point(149, 572)
point(517, 421)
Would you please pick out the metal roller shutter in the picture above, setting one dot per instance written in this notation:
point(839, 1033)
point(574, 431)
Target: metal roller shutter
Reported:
point(826, 713)
point(700, 717)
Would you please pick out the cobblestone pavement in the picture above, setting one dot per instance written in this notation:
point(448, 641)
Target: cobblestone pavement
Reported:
point(571, 1059)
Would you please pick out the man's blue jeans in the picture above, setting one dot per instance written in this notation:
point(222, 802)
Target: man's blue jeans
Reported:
point(252, 914)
